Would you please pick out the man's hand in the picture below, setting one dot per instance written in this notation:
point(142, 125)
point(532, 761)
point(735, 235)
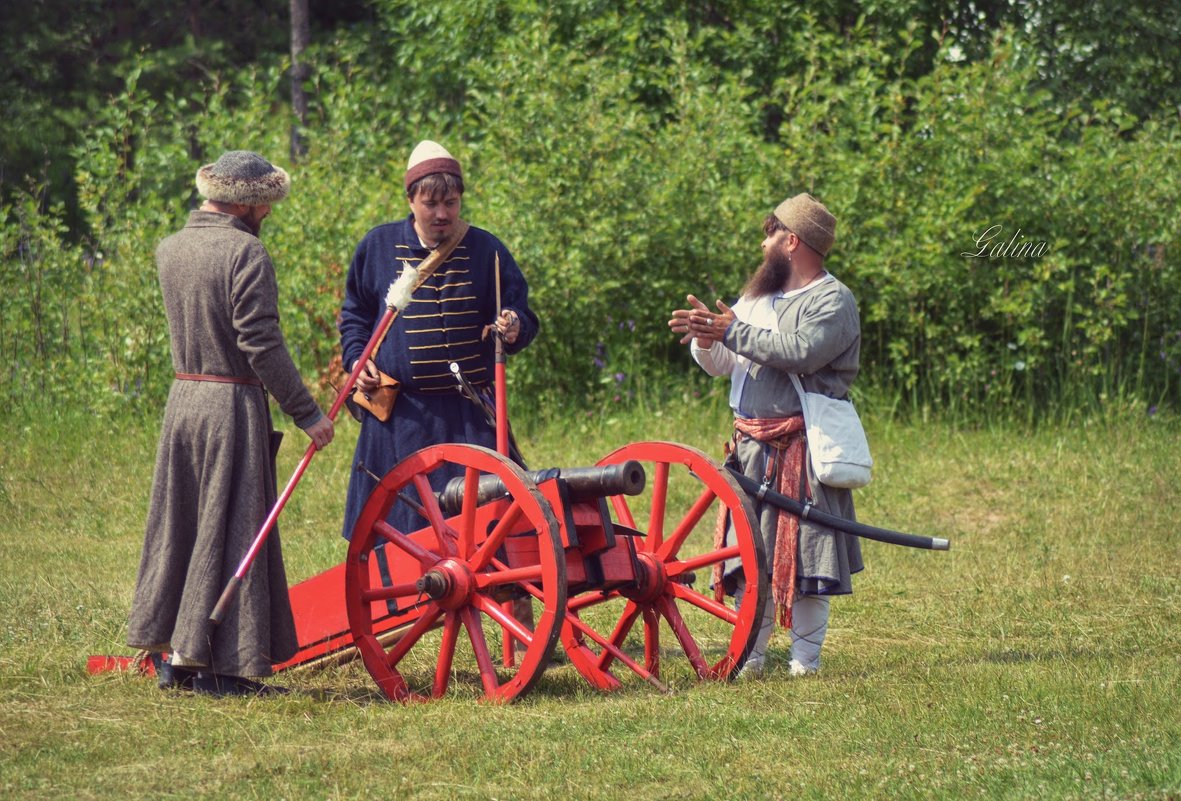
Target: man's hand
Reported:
point(698, 322)
point(508, 326)
point(368, 379)
point(321, 432)
point(680, 321)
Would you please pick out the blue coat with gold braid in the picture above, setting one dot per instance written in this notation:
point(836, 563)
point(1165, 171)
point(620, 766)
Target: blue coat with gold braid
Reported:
point(443, 324)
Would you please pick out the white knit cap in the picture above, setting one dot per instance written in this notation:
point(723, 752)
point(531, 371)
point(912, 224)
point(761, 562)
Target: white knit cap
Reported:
point(428, 158)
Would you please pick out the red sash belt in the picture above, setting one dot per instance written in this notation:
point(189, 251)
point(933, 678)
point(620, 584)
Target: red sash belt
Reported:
point(220, 379)
point(785, 472)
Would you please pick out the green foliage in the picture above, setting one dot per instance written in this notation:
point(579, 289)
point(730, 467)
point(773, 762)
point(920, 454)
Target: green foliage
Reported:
point(627, 158)
point(946, 187)
point(38, 336)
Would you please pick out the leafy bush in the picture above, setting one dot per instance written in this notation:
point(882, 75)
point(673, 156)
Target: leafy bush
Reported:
point(628, 158)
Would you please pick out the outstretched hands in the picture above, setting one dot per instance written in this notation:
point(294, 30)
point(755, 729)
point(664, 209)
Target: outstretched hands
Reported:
point(699, 322)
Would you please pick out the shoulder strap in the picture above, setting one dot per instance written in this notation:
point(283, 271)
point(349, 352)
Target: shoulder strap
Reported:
point(795, 379)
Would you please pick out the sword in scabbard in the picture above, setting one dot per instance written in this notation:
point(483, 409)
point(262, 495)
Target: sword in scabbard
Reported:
point(468, 391)
point(808, 511)
point(495, 413)
point(481, 402)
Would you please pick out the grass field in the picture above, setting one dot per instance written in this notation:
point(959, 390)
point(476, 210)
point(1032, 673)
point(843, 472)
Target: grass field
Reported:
point(1039, 658)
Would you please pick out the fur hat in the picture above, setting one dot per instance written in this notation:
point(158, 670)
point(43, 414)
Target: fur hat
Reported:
point(243, 178)
point(807, 218)
point(428, 158)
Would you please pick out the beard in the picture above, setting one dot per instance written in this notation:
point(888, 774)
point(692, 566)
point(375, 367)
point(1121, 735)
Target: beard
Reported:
point(771, 276)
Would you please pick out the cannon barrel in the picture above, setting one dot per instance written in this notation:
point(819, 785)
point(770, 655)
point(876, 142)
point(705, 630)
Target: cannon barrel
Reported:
point(584, 483)
point(807, 511)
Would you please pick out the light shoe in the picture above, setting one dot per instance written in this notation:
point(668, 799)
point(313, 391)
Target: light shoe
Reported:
point(754, 668)
point(797, 668)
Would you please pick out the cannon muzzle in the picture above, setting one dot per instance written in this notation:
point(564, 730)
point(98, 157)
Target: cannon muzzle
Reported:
point(584, 483)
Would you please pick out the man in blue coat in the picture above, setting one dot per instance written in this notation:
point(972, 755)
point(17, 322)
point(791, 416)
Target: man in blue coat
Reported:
point(449, 320)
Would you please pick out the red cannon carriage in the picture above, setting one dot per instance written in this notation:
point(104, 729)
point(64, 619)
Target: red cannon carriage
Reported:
point(598, 552)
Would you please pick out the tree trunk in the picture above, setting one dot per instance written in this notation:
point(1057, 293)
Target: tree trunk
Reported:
point(300, 34)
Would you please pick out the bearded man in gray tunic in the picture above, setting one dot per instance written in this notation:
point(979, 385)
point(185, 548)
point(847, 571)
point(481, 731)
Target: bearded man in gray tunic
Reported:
point(214, 481)
point(793, 318)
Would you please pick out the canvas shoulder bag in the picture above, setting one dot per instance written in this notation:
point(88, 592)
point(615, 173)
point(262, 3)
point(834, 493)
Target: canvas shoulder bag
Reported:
point(836, 440)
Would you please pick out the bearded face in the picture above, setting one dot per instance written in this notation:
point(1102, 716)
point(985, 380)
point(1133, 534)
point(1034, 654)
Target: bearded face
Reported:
point(772, 274)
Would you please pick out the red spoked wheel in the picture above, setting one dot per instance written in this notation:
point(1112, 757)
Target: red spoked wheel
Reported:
point(408, 605)
point(673, 523)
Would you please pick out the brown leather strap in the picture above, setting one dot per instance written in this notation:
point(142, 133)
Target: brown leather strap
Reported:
point(219, 379)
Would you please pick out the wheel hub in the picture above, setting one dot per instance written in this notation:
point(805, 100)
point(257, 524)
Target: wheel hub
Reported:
point(449, 583)
point(651, 579)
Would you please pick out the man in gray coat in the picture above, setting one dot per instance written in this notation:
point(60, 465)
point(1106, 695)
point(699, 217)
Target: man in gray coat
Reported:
point(793, 318)
point(214, 481)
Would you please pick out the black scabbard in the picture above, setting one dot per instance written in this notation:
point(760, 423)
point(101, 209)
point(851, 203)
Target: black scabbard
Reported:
point(807, 511)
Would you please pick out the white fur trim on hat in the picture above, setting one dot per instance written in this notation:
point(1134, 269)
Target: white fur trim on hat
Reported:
point(243, 178)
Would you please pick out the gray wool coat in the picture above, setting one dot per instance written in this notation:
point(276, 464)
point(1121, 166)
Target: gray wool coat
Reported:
point(214, 480)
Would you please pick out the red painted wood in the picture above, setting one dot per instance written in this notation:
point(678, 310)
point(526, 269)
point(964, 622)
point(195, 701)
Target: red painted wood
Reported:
point(673, 524)
point(457, 558)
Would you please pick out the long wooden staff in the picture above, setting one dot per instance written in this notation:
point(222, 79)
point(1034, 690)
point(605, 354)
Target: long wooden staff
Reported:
point(501, 389)
point(396, 299)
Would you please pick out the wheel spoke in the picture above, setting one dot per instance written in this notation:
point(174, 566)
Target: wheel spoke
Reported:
point(488, 549)
point(589, 599)
point(659, 507)
point(582, 628)
point(681, 632)
point(401, 541)
point(475, 633)
point(706, 604)
point(622, 627)
point(669, 549)
point(652, 640)
point(704, 560)
point(404, 590)
point(467, 515)
point(408, 640)
point(444, 535)
point(446, 655)
point(513, 575)
point(507, 622)
point(623, 511)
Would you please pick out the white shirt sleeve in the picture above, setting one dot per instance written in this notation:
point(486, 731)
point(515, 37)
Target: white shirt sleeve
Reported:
point(716, 360)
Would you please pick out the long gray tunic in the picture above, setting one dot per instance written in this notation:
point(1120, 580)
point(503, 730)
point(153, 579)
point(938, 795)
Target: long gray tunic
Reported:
point(815, 333)
point(214, 480)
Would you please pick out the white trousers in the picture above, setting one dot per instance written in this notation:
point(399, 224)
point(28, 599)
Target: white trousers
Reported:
point(809, 626)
